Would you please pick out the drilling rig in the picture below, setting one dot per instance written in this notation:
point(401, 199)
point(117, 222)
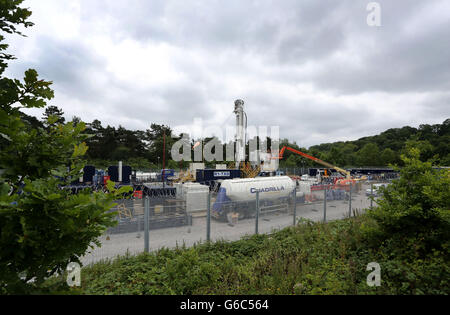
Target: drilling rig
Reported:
point(241, 130)
point(241, 139)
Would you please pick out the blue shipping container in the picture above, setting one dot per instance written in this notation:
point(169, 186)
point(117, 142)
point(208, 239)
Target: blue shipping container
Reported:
point(213, 174)
point(167, 173)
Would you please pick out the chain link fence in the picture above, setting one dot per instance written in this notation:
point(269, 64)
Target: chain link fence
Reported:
point(157, 215)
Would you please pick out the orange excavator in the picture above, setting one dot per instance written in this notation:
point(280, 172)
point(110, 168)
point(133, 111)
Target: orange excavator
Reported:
point(340, 170)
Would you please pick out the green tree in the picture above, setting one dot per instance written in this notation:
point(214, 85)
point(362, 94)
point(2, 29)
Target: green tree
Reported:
point(291, 162)
point(11, 16)
point(415, 209)
point(350, 151)
point(171, 164)
point(388, 157)
point(336, 156)
point(54, 111)
point(409, 235)
point(426, 149)
point(369, 155)
point(76, 120)
point(155, 137)
point(43, 227)
point(139, 163)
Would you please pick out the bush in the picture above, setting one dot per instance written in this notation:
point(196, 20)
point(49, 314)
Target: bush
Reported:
point(311, 258)
point(414, 211)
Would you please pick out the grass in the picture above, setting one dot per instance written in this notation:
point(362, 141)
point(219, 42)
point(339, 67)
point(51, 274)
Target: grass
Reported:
point(311, 258)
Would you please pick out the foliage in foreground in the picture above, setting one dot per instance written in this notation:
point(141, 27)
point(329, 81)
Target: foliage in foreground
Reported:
point(312, 258)
point(414, 213)
point(43, 227)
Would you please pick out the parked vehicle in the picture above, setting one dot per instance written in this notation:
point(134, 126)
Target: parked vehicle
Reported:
point(376, 190)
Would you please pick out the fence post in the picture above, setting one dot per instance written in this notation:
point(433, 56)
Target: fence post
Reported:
point(350, 201)
point(257, 212)
point(325, 204)
point(146, 225)
point(295, 205)
point(371, 195)
point(208, 217)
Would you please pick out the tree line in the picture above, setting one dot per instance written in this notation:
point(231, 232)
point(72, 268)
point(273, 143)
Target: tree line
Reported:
point(385, 149)
point(143, 149)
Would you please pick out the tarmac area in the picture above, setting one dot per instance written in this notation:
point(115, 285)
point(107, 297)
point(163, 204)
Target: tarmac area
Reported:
point(114, 245)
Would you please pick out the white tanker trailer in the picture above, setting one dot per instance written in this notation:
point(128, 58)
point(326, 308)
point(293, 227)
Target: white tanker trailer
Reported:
point(239, 195)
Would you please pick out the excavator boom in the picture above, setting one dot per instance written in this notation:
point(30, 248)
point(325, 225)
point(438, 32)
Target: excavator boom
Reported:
point(340, 170)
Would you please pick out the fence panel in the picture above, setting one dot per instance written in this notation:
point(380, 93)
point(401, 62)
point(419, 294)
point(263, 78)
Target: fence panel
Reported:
point(126, 237)
point(276, 214)
point(231, 220)
point(309, 203)
point(177, 217)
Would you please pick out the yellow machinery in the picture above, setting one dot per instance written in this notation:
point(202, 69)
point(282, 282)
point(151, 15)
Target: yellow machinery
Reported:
point(185, 177)
point(248, 171)
point(123, 211)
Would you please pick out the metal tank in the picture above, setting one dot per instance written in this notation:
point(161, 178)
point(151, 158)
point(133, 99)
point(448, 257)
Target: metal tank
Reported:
point(268, 187)
point(239, 195)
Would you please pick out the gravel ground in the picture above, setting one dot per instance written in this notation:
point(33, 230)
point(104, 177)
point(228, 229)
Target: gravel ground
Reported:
point(133, 243)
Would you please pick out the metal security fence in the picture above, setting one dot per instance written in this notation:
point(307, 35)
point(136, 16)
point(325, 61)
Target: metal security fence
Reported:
point(156, 216)
point(162, 213)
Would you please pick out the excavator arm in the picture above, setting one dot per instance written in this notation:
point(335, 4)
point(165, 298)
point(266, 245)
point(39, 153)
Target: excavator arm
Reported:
point(340, 170)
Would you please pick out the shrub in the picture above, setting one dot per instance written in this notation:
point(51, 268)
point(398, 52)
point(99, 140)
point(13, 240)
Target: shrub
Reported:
point(414, 211)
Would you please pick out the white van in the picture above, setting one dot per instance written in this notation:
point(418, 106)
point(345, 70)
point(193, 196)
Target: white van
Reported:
point(376, 191)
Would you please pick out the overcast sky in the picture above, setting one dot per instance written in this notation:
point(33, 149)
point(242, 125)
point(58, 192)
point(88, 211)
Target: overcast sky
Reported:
point(313, 67)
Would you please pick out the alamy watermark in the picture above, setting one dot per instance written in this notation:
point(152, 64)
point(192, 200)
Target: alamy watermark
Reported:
point(374, 16)
point(73, 274)
point(374, 278)
point(235, 140)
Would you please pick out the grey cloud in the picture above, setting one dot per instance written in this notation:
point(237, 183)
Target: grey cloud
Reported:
point(396, 62)
point(73, 67)
point(70, 65)
point(300, 120)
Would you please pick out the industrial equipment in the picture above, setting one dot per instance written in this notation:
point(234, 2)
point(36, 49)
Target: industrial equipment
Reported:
point(241, 130)
point(241, 139)
point(239, 196)
point(166, 173)
point(184, 177)
point(120, 174)
point(194, 196)
point(248, 171)
point(207, 175)
point(340, 170)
